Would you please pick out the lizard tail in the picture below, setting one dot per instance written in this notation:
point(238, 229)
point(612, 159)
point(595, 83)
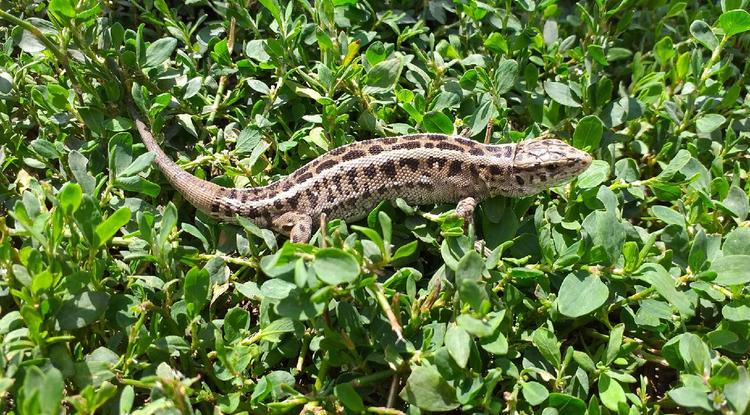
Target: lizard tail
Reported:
point(200, 193)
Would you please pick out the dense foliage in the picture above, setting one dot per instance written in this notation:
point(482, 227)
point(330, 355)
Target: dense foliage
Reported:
point(624, 291)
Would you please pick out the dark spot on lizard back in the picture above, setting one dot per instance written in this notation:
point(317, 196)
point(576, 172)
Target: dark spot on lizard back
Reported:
point(312, 197)
point(293, 201)
point(407, 145)
point(389, 168)
point(325, 165)
point(353, 154)
point(389, 140)
point(278, 204)
point(496, 170)
point(286, 185)
point(233, 193)
point(436, 161)
point(215, 206)
point(370, 171)
point(336, 151)
point(519, 180)
point(375, 149)
point(304, 177)
point(449, 146)
point(429, 145)
point(474, 171)
point(353, 178)
point(455, 168)
point(411, 163)
point(228, 211)
point(476, 151)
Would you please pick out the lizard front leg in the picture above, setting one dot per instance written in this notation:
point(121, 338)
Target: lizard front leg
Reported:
point(465, 210)
point(297, 225)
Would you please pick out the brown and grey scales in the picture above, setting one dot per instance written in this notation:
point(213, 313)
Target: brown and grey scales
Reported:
point(349, 181)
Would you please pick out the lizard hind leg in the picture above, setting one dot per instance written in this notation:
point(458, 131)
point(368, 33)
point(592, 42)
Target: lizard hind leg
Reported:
point(297, 225)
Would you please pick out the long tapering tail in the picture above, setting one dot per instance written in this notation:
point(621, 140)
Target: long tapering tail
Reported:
point(200, 193)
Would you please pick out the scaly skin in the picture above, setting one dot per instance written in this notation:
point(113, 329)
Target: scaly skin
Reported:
point(349, 181)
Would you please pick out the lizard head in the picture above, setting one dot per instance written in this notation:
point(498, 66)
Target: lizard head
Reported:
point(541, 164)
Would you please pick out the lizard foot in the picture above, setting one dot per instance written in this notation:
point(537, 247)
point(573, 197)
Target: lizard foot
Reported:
point(297, 225)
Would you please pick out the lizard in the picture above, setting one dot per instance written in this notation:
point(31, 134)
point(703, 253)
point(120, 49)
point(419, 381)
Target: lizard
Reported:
point(348, 181)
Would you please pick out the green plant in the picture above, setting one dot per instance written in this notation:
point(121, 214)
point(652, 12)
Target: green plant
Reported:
point(621, 292)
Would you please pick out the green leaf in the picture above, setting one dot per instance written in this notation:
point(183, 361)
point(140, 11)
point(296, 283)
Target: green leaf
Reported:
point(82, 310)
point(737, 202)
point(702, 32)
point(273, 7)
point(548, 346)
point(534, 392)
point(588, 133)
point(65, 8)
point(107, 229)
point(334, 266)
point(70, 198)
point(437, 122)
point(737, 310)
point(383, 76)
point(566, 404)
point(690, 398)
point(737, 242)
point(614, 343)
point(235, 322)
point(610, 392)
point(675, 165)
point(733, 22)
point(595, 175)
point(572, 304)
point(42, 282)
point(709, 122)
point(695, 354)
point(468, 278)
point(561, 94)
point(349, 397)
point(427, 390)
point(731, 270)
point(496, 43)
point(196, 290)
point(606, 235)
point(505, 76)
point(664, 50)
point(138, 184)
point(458, 342)
point(405, 251)
point(668, 216)
point(168, 222)
point(159, 51)
point(664, 284)
point(220, 54)
point(274, 331)
point(738, 393)
point(41, 390)
point(138, 165)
